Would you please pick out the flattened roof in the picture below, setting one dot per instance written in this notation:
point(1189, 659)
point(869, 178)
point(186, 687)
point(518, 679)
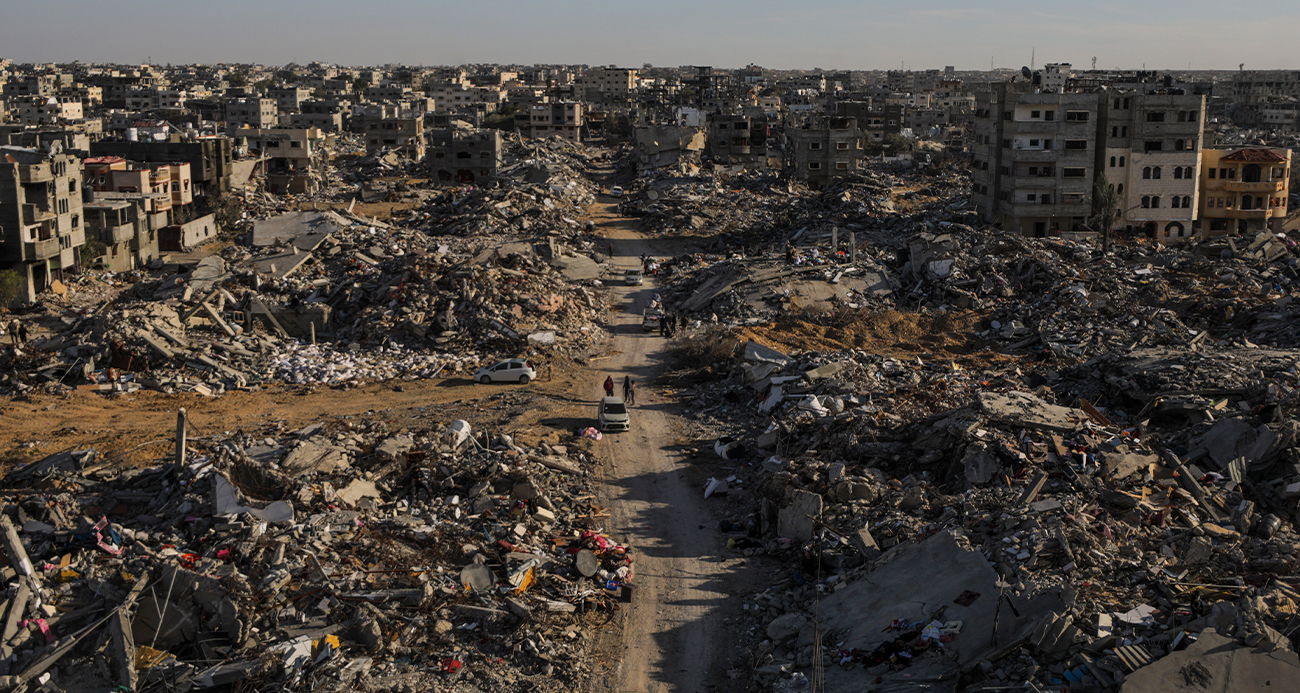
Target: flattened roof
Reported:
point(1260, 155)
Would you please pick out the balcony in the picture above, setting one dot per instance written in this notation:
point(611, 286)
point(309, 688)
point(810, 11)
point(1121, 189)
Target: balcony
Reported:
point(116, 234)
point(1266, 187)
point(1033, 155)
point(41, 250)
point(1056, 209)
point(1246, 213)
point(35, 173)
point(1036, 182)
point(1034, 127)
point(33, 215)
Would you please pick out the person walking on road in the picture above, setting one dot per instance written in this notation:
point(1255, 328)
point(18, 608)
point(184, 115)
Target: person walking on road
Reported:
point(629, 392)
point(22, 334)
point(13, 331)
point(609, 386)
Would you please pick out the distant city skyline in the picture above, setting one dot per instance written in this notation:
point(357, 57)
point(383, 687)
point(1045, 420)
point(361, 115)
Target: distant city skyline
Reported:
point(827, 34)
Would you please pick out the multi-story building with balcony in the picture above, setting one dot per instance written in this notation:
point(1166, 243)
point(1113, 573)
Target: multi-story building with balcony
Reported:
point(607, 84)
point(41, 225)
point(563, 118)
point(737, 139)
point(171, 182)
point(1039, 156)
point(1152, 154)
point(251, 113)
point(295, 158)
point(122, 226)
point(47, 110)
point(464, 155)
point(1034, 158)
point(394, 131)
point(1244, 190)
point(824, 151)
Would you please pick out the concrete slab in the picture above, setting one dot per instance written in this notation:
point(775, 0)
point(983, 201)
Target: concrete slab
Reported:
point(1227, 439)
point(315, 455)
point(281, 265)
point(311, 227)
point(760, 354)
point(208, 274)
point(226, 502)
point(914, 581)
point(1216, 663)
point(358, 489)
point(794, 520)
point(578, 267)
point(1024, 409)
point(1120, 464)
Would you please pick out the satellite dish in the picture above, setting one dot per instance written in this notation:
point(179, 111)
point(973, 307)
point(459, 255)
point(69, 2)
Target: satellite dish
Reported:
point(1025, 71)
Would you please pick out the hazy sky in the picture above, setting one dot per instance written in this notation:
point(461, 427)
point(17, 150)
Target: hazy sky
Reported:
point(831, 34)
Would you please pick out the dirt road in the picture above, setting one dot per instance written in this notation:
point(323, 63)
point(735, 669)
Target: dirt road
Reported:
point(679, 632)
point(676, 635)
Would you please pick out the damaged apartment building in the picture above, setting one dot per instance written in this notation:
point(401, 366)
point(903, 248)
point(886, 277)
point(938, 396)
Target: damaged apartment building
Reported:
point(739, 140)
point(40, 215)
point(1244, 190)
point(1039, 155)
point(464, 154)
point(560, 118)
point(139, 211)
point(824, 150)
point(392, 128)
point(211, 159)
point(294, 160)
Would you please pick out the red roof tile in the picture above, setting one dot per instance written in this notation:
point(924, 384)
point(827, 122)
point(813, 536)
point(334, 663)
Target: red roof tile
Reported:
point(1254, 155)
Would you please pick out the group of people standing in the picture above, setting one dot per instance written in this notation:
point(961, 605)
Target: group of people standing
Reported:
point(668, 324)
point(629, 390)
point(17, 332)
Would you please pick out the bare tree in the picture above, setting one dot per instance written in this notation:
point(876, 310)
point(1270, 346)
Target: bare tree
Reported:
point(1105, 209)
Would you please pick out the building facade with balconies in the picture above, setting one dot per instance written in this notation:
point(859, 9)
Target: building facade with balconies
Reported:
point(824, 151)
point(464, 155)
point(1039, 156)
point(738, 139)
point(295, 158)
point(1152, 155)
point(1244, 190)
point(1035, 157)
point(121, 225)
point(41, 227)
point(562, 118)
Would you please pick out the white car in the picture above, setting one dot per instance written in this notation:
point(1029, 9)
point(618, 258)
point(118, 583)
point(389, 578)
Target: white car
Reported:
point(633, 277)
point(613, 415)
point(616, 191)
point(508, 371)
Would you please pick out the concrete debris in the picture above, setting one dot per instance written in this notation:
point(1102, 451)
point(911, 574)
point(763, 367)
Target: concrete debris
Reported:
point(965, 522)
point(962, 459)
point(312, 556)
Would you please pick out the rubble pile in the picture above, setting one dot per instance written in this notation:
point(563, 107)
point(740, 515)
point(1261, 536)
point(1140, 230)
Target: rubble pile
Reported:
point(1066, 297)
point(339, 557)
point(544, 190)
point(342, 299)
point(1058, 298)
point(755, 210)
point(1070, 528)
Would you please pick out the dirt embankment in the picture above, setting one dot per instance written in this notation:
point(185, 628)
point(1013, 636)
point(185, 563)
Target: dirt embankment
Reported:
point(887, 333)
